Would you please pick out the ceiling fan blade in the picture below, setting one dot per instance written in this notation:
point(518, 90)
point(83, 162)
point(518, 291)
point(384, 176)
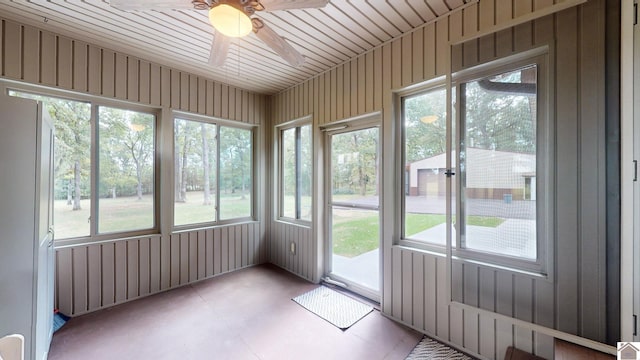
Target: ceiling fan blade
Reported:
point(277, 43)
point(272, 5)
point(219, 50)
point(135, 5)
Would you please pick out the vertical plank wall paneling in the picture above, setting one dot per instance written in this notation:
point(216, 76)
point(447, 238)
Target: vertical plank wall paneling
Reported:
point(93, 276)
point(414, 288)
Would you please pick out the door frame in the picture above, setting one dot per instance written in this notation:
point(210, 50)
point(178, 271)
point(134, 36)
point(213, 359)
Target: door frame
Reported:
point(340, 127)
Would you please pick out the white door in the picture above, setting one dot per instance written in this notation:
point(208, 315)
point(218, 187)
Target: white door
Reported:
point(353, 216)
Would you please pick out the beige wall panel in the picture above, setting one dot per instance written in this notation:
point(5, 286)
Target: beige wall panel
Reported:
point(144, 82)
point(522, 7)
point(217, 251)
point(121, 76)
point(209, 100)
point(237, 238)
point(487, 337)
point(194, 97)
point(174, 90)
point(504, 10)
point(64, 62)
point(245, 106)
point(144, 267)
point(94, 70)
point(133, 79)
point(80, 65)
point(209, 254)
point(418, 286)
point(487, 48)
point(165, 262)
point(442, 46)
point(174, 252)
point(369, 82)
point(192, 251)
point(108, 274)
point(406, 55)
point(120, 271)
point(396, 65)
point(64, 277)
point(340, 91)
point(487, 14)
point(224, 102)
point(541, 4)
point(504, 337)
point(472, 331)
point(238, 104)
point(417, 53)
point(184, 258)
point(442, 299)
point(225, 250)
point(456, 328)
point(12, 59)
point(377, 79)
point(327, 96)
point(48, 53)
point(523, 36)
point(184, 91)
point(354, 87)
point(346, 90)
point(429, 51)
point(217, 100)
point(504, 42)
point(362, 84)
point(334, 95)
point(155, 265)
point(31, 55)
point(396, 283)
point(407, 287)
point(165, 86)
point(321, 101)
point(94, 277)
point(108, 88)
point(132, 269)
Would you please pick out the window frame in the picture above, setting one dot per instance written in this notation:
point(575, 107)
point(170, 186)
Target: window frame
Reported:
point(95, 103)
point(279, 176)
point(545, 162)
point(219, 123)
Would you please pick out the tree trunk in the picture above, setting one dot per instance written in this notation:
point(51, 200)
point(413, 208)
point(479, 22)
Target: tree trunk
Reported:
point(177, 171)
point(183, 181)
point(69, 196)
point(361, 181)
point(139, 175)
point(205, 165)
point(76, 179)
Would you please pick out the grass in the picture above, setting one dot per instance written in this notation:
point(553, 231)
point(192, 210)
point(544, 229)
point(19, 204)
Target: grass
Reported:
point(129, 213)
point(356, 232)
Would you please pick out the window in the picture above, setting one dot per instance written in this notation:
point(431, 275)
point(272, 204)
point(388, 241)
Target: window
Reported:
point(498, 163)
point(425, 144)
point(126, 170)
point(499, 196)
point(213, 164)
point(295, 172)
point(107, 186)
point(72, 164)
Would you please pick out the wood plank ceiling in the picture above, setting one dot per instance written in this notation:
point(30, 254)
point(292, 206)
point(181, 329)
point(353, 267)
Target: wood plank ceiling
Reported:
point(182, 38)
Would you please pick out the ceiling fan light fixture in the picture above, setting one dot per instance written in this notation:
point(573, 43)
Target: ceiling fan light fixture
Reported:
point(230, 21)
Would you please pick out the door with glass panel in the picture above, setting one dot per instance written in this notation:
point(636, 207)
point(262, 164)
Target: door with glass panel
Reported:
point(353, 209)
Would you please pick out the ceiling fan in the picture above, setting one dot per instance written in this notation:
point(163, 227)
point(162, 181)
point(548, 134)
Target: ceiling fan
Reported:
point(233, 18)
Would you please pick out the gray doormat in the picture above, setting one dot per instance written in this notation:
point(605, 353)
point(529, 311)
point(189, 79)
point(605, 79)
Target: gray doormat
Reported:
point(340, 310)
point(430, 349)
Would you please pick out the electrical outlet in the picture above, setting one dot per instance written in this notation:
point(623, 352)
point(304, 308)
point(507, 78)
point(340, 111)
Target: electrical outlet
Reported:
point(292, 248)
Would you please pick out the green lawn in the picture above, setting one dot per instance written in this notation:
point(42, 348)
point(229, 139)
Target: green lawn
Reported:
point(129, 213)
point(356, 232)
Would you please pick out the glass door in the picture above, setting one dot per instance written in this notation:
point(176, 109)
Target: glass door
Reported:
point(353, 210)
